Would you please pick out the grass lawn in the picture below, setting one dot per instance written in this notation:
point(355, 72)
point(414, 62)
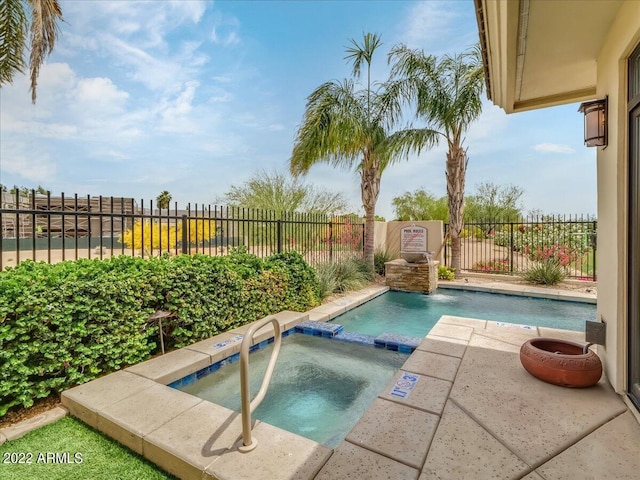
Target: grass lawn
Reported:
point(82, 453)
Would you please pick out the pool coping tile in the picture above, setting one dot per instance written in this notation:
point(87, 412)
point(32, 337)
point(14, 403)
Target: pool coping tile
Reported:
point(428, 393)
point(444, 346)
point(87, 400)
point(171, 366)
point(433, 365)
point(129, 420)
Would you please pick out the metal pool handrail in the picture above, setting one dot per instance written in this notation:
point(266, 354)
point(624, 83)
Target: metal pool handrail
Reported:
point(248, 406)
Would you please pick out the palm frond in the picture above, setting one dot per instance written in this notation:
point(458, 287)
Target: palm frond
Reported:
point(333, 130)
point(44, 29)
point(362, 52)
point(401, 143)
point(13, 38)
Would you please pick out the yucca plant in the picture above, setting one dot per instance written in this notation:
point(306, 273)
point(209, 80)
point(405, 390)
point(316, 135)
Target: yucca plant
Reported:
point(545, 272)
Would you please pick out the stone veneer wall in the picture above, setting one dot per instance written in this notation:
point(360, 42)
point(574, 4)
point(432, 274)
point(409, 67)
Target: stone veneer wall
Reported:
point(411, 277)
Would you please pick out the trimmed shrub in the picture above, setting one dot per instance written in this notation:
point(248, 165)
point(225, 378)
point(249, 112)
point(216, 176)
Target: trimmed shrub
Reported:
point(446, 273)
point(67, 323)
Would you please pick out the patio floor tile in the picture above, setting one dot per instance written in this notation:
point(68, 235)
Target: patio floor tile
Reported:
point(462, 449)
point(452, 331)
point(279, 454)
point(355, 463)
point(609, 452)
point(397, 431)
point(429, 394)
point(432, 365)
point(444, 346)
point(535, 419)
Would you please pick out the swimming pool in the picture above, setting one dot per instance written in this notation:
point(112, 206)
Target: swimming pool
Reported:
point(414, 314)
point(319, 389)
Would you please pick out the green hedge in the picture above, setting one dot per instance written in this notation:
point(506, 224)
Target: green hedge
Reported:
point(68, 323)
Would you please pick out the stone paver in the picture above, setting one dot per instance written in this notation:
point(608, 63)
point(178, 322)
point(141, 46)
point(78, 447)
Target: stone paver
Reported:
point(462, 321)
point(218, 347)
point(429, 394)
point(612, 451)
point(493, 342)
point(462, 449)
point(138, 415)
point(350, 462)
point(190, 442)
point(279, 455)
point(451, 331)
point(84, 401)
point(396, 431)
point(444, 346)
point(535, 419)
point(171, 366)
point(432, 365)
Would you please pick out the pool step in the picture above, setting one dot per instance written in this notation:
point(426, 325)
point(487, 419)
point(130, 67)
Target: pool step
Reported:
point(319, 329)
point(397, 343)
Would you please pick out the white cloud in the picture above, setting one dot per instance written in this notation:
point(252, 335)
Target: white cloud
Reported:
point(101, 94)
point(553, 148)
point(33, 165)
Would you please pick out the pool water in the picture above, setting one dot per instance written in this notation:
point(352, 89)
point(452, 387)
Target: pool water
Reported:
point(319, 389)
point(414, 314)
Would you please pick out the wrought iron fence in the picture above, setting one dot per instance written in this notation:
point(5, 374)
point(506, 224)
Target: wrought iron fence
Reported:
point(53, 229)
point(513, 247)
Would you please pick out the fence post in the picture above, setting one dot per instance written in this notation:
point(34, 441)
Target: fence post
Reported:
point(594, 244)
point(330, 240)
point(279, 234)
point(446, 231)
point(185, 226)
point(511, 247)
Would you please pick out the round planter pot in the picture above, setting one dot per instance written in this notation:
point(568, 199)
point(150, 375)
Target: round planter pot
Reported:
point(560, 362)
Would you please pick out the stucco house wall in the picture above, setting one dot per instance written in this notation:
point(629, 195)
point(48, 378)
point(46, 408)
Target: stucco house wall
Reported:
point(612, 259)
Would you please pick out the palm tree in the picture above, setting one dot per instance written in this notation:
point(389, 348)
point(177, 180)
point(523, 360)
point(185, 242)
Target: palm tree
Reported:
point(14, 26)
point(164, 199)
point(446, 94)
point(351, 129)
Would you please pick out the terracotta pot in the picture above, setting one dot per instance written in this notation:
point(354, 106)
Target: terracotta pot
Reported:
point(560, 362)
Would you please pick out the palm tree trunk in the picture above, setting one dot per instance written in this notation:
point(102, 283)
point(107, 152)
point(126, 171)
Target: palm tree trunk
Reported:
point(370, 188)
point(456, 171)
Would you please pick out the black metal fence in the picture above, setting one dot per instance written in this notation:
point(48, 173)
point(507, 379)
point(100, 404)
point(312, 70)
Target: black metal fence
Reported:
point(513, 247)
point(53, 229)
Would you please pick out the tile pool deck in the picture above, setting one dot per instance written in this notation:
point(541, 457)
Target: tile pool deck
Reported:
point(472, 413)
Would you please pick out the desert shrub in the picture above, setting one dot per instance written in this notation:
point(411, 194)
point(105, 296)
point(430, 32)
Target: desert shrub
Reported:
point(345, 275)
point(67, 323)
point(475, 232)
point(446, 273)
point(492, 266)
point(380, 257)
point(327, 276)
point(545, 272)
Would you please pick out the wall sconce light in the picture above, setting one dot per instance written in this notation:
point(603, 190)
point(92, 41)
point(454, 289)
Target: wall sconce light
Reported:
point(595, 122)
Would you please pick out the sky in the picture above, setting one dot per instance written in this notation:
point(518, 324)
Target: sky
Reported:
point(195, 96)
